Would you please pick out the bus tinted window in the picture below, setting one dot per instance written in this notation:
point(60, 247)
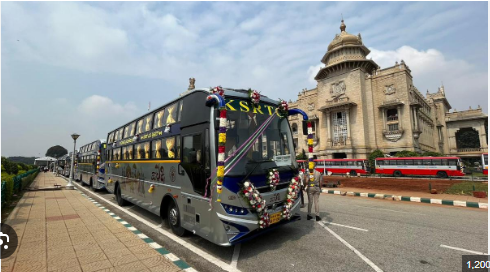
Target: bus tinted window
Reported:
point(427, 162)
point(124, 157)
point(116, 154)
point(148, 121)
point(444, 162)
point(178, 148)
point(158, 122)
point(400, 162)
point(139, 127)
point(170, 116)
point(169, 148)
point(417, 162)
point(156, 149)
point(453, 162)
point(127, 131)
point(408, 162)
point(380, 162)
point(132, 128)
point(436, 162)
point(142, 151)
point(110, 139)
point(121, 133)
point(181, 105)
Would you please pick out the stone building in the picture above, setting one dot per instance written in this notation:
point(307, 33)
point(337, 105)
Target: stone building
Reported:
point(357, 107)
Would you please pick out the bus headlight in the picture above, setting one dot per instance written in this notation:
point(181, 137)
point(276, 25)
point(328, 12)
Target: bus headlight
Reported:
point(230, 209)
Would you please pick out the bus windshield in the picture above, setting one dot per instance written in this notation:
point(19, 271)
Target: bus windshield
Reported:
point(275, 145)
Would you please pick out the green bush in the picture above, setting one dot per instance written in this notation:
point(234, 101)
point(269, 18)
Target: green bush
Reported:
point(407, 153)
point(375, 154)
point(432, 154)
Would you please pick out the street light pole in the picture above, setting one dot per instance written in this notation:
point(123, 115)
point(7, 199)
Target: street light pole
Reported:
point(70, 186)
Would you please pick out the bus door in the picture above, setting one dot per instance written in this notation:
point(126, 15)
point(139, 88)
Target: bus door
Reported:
point(196, 163)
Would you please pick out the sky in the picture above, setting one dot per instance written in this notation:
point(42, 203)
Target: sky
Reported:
point(89, 67)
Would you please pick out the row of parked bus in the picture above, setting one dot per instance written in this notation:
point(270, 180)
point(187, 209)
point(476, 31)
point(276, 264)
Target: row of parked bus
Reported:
point(166, 160)
point(441, 167)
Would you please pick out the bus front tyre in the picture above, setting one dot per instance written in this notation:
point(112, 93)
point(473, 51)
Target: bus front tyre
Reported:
point(173, 220)
point(441, 174)
point(120, 201)
point(397, 174)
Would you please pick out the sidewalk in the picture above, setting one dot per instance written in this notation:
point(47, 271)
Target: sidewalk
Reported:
point(62, 230)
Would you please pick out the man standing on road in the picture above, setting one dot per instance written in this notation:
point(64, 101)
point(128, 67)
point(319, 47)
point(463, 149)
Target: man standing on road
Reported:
point(312, 183)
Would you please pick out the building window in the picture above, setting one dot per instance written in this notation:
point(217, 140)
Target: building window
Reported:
point(393, 127)
point(339, 128)
point(392, 115)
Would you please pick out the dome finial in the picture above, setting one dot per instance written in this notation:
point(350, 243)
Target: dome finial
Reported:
point(342, 26)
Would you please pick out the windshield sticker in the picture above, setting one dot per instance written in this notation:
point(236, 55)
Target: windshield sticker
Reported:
point(245, 106)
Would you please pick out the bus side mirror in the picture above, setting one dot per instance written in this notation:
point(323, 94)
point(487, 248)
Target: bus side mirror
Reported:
point(305, 127)
point(180, 170)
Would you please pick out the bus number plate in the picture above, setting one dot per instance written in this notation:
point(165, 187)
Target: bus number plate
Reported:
point(275, 217)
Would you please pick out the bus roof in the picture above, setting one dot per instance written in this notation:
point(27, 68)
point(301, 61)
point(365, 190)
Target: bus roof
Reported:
point(417, 158)
point(239, 93)
point(340, 160)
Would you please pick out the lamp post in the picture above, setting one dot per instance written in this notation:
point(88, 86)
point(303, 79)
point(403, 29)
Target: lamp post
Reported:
point(70, 186)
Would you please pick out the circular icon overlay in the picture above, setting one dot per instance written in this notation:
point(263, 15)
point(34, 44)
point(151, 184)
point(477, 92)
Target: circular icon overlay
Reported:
point(9, 241)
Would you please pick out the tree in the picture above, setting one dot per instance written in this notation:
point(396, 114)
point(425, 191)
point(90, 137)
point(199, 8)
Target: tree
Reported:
point(302, 156)
point(406, 153)
point(375, 154)
point(467, 138)
point(432, 154)
point(56, 151)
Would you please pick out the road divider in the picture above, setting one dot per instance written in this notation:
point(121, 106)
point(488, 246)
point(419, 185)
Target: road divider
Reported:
point(411, 199)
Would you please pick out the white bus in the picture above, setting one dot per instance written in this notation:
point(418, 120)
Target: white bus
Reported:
point(166, 162)
point(89, 159)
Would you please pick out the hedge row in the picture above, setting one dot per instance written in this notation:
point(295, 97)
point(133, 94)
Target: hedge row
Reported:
point(16, 184)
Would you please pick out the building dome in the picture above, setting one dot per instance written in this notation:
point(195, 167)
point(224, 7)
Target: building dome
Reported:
point(344, 38)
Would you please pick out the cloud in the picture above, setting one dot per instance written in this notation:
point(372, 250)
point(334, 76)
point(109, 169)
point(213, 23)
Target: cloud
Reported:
point(97, 105)
point(10, 110)
point(464, 83)
point(313, 71)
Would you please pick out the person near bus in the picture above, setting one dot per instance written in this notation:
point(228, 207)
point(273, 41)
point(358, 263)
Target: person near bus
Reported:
point(313, 190)
point(301, 177)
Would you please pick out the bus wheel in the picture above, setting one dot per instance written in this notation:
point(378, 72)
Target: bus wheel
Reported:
point(397, 174)
point(441, 174)
point(120, 201)
point(173, 219)
point(353, 173)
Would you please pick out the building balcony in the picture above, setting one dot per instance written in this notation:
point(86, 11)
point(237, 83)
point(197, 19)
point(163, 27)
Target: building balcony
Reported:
point(392, 118)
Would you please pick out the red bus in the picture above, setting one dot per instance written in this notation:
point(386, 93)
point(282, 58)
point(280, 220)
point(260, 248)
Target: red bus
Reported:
point(484, 163)
point(442, 167)
point(302, 165)
point(343, 166)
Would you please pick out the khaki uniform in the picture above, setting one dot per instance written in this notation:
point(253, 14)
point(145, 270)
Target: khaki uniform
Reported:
point(313, 189)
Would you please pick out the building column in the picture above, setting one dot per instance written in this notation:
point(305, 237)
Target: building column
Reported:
point(415, 117)
point(483, 140)
point(383, 110)
point(348, 126)
point(399, 112)
point(329, 133)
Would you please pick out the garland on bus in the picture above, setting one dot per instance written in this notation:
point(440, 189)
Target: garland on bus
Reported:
point(254, 97)
point(257, 202)
point(221, 144)
point(273, 178)
point(283, 108)
point(311, 164)
point(293, 193)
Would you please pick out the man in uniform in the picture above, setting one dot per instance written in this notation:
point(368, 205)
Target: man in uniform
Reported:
point(312, 183)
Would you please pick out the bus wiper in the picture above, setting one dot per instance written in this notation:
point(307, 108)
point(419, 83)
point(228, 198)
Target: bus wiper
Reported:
point(250, 173)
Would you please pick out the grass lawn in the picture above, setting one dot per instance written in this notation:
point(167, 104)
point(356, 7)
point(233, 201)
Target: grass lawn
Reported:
point(466, 188)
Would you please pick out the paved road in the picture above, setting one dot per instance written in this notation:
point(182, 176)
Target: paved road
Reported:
point(363, 235)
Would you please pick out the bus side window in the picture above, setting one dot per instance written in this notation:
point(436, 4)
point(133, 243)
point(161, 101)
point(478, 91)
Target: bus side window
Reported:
point(169, 148)
point(193, 162)
point(436, 162)
point(148, 120)
point(139, 128)
point(158, 122)
point(453, 162)
point(130, 152)
point(444, 162)
point(124, 154)
point(157, 150)
point(178, 148)
point(181, 105)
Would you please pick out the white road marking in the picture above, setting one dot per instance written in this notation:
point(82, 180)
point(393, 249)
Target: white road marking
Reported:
point(464, 250)
point(210, 258)
point(364, 258)
point(350, 227)
point(236, 253)
point(387, 210)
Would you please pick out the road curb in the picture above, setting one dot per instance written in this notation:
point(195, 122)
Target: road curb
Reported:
point(412, 199)
point(160, 249)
